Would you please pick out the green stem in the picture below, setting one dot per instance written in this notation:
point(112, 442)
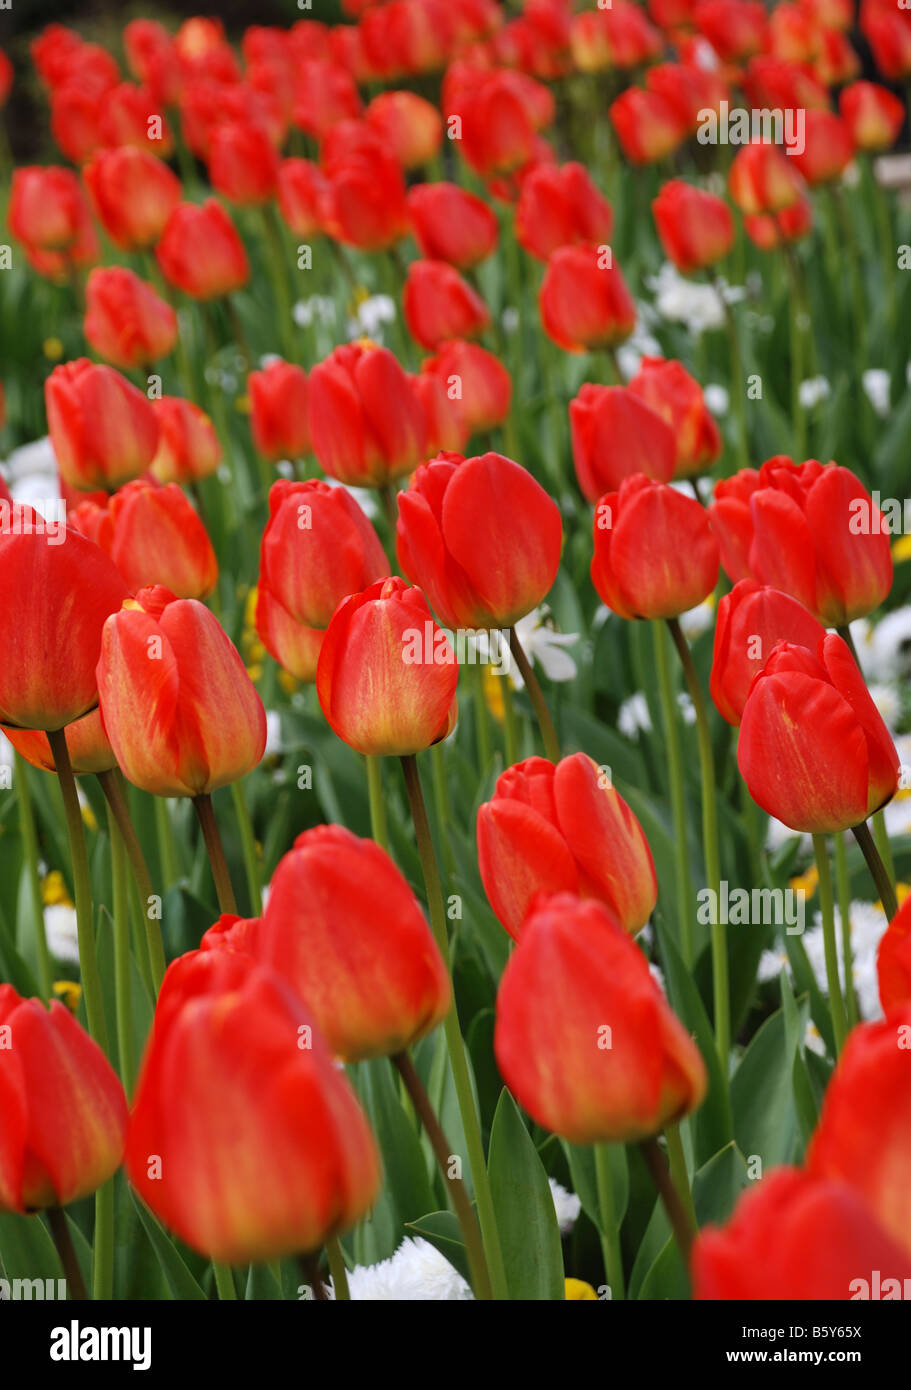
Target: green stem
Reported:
point(851, 252)
point(202, 805)
point(60, 1233)
point(843, 884)
point(481, 716)
point(30, 847)
point(103, 1243)
point(880, 833)
point(610, 1232)
point(442, 803)
point(682, 1225)
point(454, 1041)
point(378, 826)
point(121, 916)
point(877, 869)
point(458, 1194)
point(88, 961)
point(224, 1282)
point(797, 365)
point(737, 382)
point(720, 988)
point(827, 903)
point(536, 695)
point(277, 270)
point(677, 1164)
point(682, 877)
point(148, 900)
point(510, 727)
point(248, 848)
point(338, 1270)
point(167, 850)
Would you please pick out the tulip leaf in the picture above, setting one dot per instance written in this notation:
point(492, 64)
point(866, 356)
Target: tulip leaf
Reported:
point(581, 1160)
point(762, 1094)
point(526, 1217)
point(180, 1281)
point(442, 1230)
point(26, 1249)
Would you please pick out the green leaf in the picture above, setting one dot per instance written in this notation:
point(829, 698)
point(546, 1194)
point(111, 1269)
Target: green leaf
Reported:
point(762, 1094)
point(526, 1217)
point(180, 1281)
point(441, 1229)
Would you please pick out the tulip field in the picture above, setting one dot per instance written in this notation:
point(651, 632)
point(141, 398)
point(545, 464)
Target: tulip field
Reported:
point(455, 643)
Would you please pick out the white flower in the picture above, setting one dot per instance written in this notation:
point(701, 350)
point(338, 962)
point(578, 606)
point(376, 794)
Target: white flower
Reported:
point(658, 976)
point(886, 700)
point(680, 300)
point(876, 384)
point(363, 496)
point(717, 399)
point(273, 731)
point(686, 707)
point(60, 928)
point(695, 621)
point(318, 306)
point(778, 834)
point(887, 654)
point(633, 715)
point(814, 390)
point(509, 320)
point(567, 1206)
point(417, 1272)
point(545, 647)
point(370, 316)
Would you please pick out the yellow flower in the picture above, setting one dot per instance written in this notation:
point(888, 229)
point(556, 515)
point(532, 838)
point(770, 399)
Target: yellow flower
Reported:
point(806, 883)
point(69, 992)
point(901, 891)
point(242, 405)
point(578, 1290)
point(288, 683)
point(493, 693)
point(53, 349)
point(54, 890)
point(901, 550)
point(88, 816)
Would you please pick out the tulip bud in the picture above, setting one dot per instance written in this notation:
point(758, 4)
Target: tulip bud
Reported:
point(446, 428)
point(451, 224)
point(734, 29)
point(200, 252)
point(476, 382)
point(799, 708)
point(302, 192)
point(668, 388)
point(318, 547)
point(365, 202)
point(158, 538)
point(132, 115)
point(871, 1080)
point(655, 555)
point(732, 521)
point(345, 931)
point(647, 125)
point(387, 675)
point(243, 163)
point(768, 232)
point(584, 300)
point(874, 115)
point(752, 620)
point(451, 541)
point(86, 743)
point(439, 305)
point(232, 933)
point(563, 829)
point(408, 125)
point(498, 124)
point(828, 148)
point(46, 207)
point(695, 228)
point(103, 430)
point(893, 960)
point(54, 600)
point(367, 425)
point(584, 1037)
point(188, 447)
point(126, 322)
point(178, 706)
point(558, 206)
point(64, 1111)
point(762, 179)
point(133, 194)
point(278, 411)
point(614, 435)
point(259, 1096)
point(795, 1236)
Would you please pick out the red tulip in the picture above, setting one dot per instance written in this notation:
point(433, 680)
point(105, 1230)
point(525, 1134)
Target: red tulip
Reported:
point(446, 428)
point(76, 118)
point(64, 1111)
point(732, 522)
point(620, 37)
point(158, 538)
point(563, 829)
point(344, 929)
point(408, 125)
point(481, 537)
point(278, 411)
point(6, 78)
point(367, 426)
point(893, 960)
point(795, 1236)
point(647, 125)
point(889, 35)
point(828, 151)
point(243, 163)
point(614, 435)
point(126, 322)
point(769, 231)
point(178, 706)
point(874, 115)
point(734, 28)
point(559, 205)
point(695, 228)
point(365, 203)
point(231, 933)
point(152, 58)
point(46, 207)
point(302, 192)
point(258, 1095)
point(133, 194)
point(670, 390)
point(584, 1037)
point(689, 89)
point(800, 707)
point(762, 179)
point(451, 224)
point(655, 555)
point(132, 116)
point(871, 1081)
point(477, 383)
point(439, 305)
point(584, 300)
point(325, 94)
point(103, 430)
point(188, 447)
point(752, 620)
point(499, 123)
point(387, 676)
point(318, 547)
point(86, 743)
point(200, 252)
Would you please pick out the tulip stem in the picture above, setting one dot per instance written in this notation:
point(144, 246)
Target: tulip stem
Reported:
point(390, 507)
point(510, 729)
point(610, 1231)
point(458, 1194)
point(720, 988)
point(338, 1270)
point(843, 885)
point(796, 348)
point(103, 1243)
point(737, 381)
point(30, 847)
point(148, 901)
point(880, 834)
point(677, 1163)
point(454, 1041)
point(481, 718)
point(827, 904)
point(277, 263)
point(88, 960)
point(248, 849)
point(682, 876)
point(683, 1226)
point(309, 1267)
point(121, 915)
point(536, 695)
point(877, 869)
point(60, 1232)
point(378, 827)
point(224, 1282)
point(202, 805)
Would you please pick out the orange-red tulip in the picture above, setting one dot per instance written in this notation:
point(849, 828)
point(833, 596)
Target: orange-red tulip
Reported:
point(104, 431)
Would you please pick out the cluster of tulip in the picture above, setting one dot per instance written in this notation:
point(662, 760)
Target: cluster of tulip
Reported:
point(428, 1031)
